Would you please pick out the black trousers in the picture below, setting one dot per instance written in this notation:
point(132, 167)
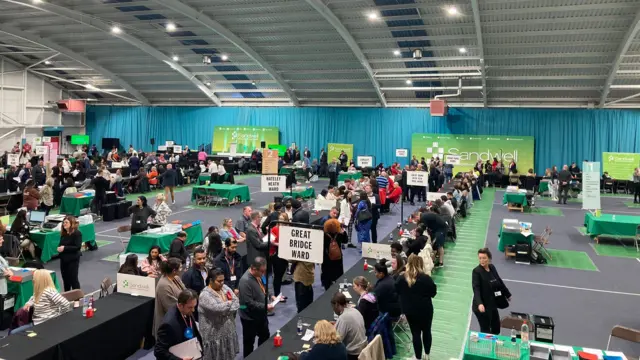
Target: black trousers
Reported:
point(489, 321)
point(279, 267)
point(636, 192)
point(563, 189)
point(374, 230)
point(304, 295)
point(405, 192)
point(333, 178)
point(69, 271)
point(421, 333)
point(97, 205)
point(251, 329)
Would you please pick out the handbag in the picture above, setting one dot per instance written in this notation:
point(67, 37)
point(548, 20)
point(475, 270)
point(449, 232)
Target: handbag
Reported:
point(497, 286)
point(364, 215)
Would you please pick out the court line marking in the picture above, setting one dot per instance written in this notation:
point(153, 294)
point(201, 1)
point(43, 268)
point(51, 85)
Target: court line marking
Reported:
point(573, 287)
point(638, 259)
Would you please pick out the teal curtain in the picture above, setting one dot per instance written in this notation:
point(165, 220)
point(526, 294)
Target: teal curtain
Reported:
point(561, 135)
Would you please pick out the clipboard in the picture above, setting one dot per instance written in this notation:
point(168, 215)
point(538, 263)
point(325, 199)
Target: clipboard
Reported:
point(188, 349)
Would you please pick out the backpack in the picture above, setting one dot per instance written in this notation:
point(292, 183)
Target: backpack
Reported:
point(334, 249)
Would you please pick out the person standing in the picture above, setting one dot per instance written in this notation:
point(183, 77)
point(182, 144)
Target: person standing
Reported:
point(39, 173)
point(367, 303)
point(636, 186)
point(416, 289)
point(30, 196)
point(217, 314)
point(140, 213)
point(363, 219)
point(344, 159)
point(195, 278)
point(69, 250)
point(163, 211)
point(374, 199)
point(230, 262)
point(253, 307)
point(303, 277)
point(333, 173)
point(46, 196)
point(178, 326)
point(169, 181)
point(167, 291)
point(177, 248)
point(323, 162)
point(438, 227)
point(489, 293)
point(564, 179)
point(332, 260)
point(255, 246)
point(101, 185)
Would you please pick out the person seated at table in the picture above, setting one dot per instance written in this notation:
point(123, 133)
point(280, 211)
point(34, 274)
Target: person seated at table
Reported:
point(393, 196)
point(5, 271)
point(70, 187)
point(385, 291)
point(530, 173)
point(327, 344)
point(46, 301)
point(212, 168)
point(395, 266)
point(397, 250)
point(151, 264)
point(514, 178)
point(222, 171)
point(367, 304)
point(20, 228)
point(323, 195)
point(606, 176)
point(228, 231)
point(130, 266)
point(140, 213)
point(177, 325)
point(177, 248)
point(202, 167)
point(168, 289)
point(162, 210)
point(421, 240)
point(574, 169)
point(444, 207)
point(331, 193)
point(30, 196)
point(350, 326)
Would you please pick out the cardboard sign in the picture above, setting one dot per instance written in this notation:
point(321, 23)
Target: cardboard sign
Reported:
point(301, 244)
point(273, 183)
point(42, 150)
point(13, 159)
point(417, 178)
point(46, 139)
point(402, 153)
point(37, 140)
point(376, 251)
point(270, 162)
point(452, 159)
point(168, 143)
point(364, 161)
point(177, 149)
point(136, 285)
point(162, 148)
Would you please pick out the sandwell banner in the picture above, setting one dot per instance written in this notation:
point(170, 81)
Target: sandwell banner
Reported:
point(620, 166)
point(335, 149)
point(472, 148)
point(246, 138)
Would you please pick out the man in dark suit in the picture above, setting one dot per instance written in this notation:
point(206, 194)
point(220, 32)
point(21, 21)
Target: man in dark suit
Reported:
point(300, 215)
point(375, 211)
point(324, 162)
point(39, 173)
point(290, 156)
point(277, 209)
point(178, 326)
point(255, 246)
point(306, 153)
point(564, 181)
point(194, 277)
point(344, 158)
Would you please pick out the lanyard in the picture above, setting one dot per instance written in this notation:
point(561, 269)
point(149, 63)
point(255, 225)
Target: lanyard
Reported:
point(190, 324)
point(264, 291)
point(232, 265)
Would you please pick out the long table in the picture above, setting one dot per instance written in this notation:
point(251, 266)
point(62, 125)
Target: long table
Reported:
point(24, 290)
point(72, 204)
point(115, 332)
point(511, 199)
point(347, 175)
point(610, 224)
point(507, 238)
point(50, 240)
point(308, 193)
point(141, 243)
point(227, 191)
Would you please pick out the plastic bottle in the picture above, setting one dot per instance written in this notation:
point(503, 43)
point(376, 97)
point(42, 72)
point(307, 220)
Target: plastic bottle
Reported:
point(277, 340)
point(299, 327)
point(513, 335)
point(91, 302)
point(524, 335)
point(85, 306)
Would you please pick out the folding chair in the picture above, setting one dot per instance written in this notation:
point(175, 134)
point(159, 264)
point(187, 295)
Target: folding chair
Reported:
point(211, 197)
point(402, 326)
point(624, 333)
point(4, 202)
point(105, 286)
point(608, 186)
point(621, 186)
point(394, 204)
point(637, 238)
point(539, 243)
point(124, 242)
point(73, 295)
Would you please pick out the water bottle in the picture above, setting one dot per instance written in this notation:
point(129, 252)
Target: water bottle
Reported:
point(188, 263)
point(299, 327)
point(277, 340)
point(85, 306)
point(91, 302)
point(513, 335)
point(524, 335)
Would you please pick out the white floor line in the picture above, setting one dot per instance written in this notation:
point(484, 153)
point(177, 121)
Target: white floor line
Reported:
point(111, 236)
point(638, 259)
point(573, 287)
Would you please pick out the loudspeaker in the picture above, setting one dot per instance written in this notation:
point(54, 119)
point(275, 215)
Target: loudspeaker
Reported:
point(153, 141)
point(263, 144)
point(68, 138)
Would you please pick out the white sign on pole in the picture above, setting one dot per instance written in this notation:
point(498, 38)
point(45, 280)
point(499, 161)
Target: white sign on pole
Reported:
point(168, 143)
point(591, 185)
point(365, 161)
point(13, 159)
point(177, 149)
point(376, 251)
point(273, 183)
point(46, 139)
point(301, 244)
point(417, 178)
point(136, 285)
point(42, 150)
point(402, 153)
point(452, 159)
point(162, 148)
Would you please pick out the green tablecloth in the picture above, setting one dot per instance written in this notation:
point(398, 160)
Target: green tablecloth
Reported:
point(523, 356)
point(142, 243)
point(544, 186)
point(622, 225)
point(288, 170)
point(224, 190)
point(49, 241)
point(511, 238)
point(72, 205)
point(345, 175)
point(510, 198)
point(24, 290)
point(204, 177)
point(308, 193)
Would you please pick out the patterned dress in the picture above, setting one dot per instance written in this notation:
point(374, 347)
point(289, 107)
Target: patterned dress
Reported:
point(218, 324)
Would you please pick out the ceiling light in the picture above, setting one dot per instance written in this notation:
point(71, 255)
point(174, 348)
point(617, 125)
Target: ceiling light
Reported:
point(47, 62)
point(208, 83)
point(452, 10)
point(37, 1)
point(175, 58)
point(224, 57)
point(90, 87)
point(116, 29)
point(396, 52)
point(170, 26)
point(462, 50)
point(206, 59)
point(372, 15)
point(253, 83)
point(409, 82)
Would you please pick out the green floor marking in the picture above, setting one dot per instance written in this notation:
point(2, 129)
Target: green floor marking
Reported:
point(631, 204)
point(616, 250)
point(568, 259)
point(544, 211)
point(582, 230)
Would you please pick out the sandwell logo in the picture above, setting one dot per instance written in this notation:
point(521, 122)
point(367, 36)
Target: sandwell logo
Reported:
point(234, 135)
point(125, 284)
point(332, 148)
point(621, 159)
point(240, 136)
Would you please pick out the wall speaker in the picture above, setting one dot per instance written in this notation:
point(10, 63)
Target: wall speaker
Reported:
point(153, 141)
point(68, 137)
point(263, 144)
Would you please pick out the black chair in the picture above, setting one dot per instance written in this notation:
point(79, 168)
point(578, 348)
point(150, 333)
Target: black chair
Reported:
point(608, 185)
point(530, 186)
point(621, 186)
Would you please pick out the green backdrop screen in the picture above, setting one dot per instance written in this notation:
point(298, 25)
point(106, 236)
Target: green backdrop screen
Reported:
point(335, 149)
point(472, 148)
point(620, 166)
point(247, 138)
point(281, 148)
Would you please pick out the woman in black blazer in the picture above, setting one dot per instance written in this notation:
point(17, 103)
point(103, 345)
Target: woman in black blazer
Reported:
point(69, 250)
point(487, 286)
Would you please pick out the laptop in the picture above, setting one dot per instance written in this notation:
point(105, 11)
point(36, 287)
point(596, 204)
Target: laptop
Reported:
point(36, 218)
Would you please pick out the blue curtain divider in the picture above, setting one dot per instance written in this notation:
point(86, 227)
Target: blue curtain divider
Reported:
point(561, 135)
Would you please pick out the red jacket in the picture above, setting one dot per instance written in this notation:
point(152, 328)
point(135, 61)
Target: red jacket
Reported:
point(394, 196)
point(275, 232)
point(394, 170)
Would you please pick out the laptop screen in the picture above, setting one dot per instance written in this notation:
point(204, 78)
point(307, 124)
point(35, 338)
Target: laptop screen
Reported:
point(36, 216)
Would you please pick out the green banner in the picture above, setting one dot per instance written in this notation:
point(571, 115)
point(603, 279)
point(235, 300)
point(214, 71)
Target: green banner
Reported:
point(335, 149)
point(472, 148)
point(620, 166)
point(246, 138)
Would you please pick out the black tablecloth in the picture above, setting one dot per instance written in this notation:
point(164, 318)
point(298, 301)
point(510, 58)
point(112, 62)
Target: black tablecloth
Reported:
point(119, 324)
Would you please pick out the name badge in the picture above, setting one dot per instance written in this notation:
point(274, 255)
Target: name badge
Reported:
point(497, 293)
point(233, 278)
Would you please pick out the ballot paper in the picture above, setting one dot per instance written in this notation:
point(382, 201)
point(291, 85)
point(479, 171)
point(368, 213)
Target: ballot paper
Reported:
point(346, 294)
point(277, 300)
point(308, 335)
point(188, 349)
